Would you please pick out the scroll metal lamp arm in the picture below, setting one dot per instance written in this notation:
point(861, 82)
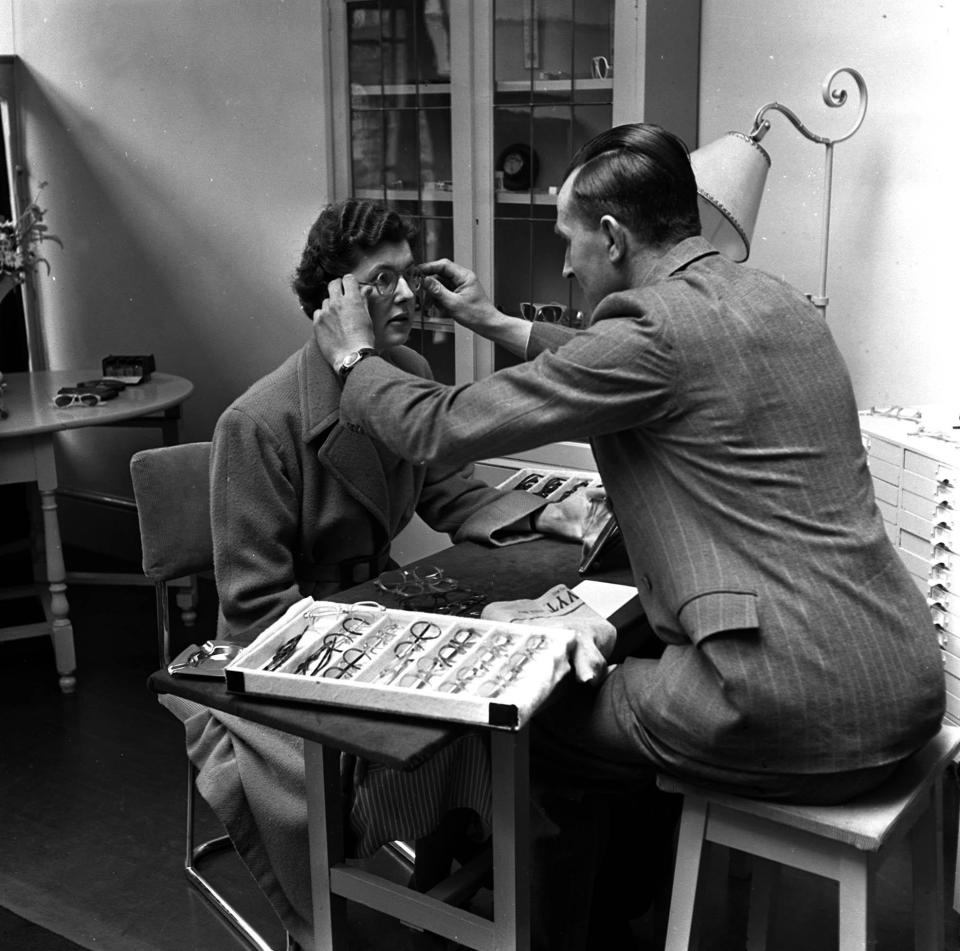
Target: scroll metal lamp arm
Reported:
point(834, 97)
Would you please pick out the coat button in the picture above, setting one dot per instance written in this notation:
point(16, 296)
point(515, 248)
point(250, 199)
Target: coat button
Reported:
point(647, 583)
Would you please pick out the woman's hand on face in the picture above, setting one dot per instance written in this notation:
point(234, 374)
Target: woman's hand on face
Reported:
point(342, 323)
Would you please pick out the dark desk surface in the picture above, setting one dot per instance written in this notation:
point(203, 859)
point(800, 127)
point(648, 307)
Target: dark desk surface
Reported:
point(517, 571)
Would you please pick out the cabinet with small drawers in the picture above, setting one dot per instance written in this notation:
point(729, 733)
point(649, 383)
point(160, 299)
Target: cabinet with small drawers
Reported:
point(916, 478)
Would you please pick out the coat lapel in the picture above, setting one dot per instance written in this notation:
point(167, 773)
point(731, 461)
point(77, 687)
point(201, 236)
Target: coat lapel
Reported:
point(351, 458)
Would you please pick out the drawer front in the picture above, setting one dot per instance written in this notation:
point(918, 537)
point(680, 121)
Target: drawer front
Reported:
point(890, 494)
point(921, 464)
point(883, 450)
point(884, 471)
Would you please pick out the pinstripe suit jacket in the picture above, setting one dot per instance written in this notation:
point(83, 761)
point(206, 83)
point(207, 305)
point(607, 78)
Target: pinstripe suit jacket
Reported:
point(724, 426)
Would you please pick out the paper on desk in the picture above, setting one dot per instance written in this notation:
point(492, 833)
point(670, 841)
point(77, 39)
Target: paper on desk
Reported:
point(604, 597)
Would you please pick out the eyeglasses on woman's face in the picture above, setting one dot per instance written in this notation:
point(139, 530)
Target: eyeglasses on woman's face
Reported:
point(385, 281)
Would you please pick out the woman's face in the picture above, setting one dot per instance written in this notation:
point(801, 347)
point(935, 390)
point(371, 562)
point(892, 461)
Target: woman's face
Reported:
point(390, 313)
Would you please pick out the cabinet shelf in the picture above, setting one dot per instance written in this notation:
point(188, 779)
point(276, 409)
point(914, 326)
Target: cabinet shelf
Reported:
point(359, 91)
point(406, 194)
point(553, 85)
point(537, 197)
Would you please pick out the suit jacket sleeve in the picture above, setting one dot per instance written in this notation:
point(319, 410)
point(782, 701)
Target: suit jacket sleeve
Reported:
point(617, 375)
point(454, 501)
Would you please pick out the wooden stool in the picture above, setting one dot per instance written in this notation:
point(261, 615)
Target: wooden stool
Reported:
point(846, 843)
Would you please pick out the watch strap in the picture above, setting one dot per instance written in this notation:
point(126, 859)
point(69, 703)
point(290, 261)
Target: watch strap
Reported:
point(352, 359)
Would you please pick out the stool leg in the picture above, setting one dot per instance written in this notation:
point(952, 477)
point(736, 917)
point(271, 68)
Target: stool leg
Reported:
point(926, 841)
point(857, 887)
point(764, 879)
point(686, 873)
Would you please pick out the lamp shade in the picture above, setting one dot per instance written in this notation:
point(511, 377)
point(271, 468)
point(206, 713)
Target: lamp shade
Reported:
point(730, 173)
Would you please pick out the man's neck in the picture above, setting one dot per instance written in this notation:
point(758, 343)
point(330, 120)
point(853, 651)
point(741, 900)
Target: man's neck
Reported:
point(643, 264)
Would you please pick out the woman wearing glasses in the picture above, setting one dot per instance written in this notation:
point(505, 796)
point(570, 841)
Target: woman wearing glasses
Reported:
point(302, 505)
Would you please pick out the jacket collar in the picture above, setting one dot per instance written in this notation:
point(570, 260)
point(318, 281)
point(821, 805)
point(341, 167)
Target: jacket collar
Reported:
point(680, 256)
point(349, 456)
point(319, 391)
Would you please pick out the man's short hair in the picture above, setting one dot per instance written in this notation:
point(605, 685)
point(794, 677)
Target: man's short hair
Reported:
point(641, 175)
point(341, 234)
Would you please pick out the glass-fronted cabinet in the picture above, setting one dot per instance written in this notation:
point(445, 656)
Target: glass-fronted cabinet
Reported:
point(463, 114)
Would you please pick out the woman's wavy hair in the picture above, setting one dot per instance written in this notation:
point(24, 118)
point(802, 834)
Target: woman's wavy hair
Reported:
point(640, 174)
point(344, 231)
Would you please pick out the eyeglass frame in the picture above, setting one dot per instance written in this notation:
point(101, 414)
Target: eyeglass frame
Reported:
point(416, 580)
point(510, 671)
point(534, 311)
point(333, 642)
point(411, 275)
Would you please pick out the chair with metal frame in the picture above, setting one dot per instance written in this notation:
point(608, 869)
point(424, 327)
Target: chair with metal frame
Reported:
point(171, 488)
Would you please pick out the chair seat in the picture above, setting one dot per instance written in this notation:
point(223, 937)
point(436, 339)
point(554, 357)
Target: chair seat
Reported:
point(866, 822)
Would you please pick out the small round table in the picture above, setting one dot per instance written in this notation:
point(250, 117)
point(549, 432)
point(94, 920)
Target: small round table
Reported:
point(27, 455)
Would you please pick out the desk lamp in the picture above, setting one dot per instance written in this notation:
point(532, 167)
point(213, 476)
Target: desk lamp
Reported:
point(731, 173)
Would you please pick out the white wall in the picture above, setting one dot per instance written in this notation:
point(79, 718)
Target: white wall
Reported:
point(893, 247)
point(183, 145)
point(181, 142)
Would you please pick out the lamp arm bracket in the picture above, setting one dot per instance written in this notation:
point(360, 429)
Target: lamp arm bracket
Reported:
point(833, 96)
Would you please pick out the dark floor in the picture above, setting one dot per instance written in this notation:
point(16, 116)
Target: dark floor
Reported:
point(91, 820)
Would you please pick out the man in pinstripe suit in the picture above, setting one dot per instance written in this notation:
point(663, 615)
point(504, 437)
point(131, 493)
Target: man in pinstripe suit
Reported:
point(800, 660)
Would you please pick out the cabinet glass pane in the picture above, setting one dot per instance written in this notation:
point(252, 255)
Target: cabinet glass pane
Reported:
point(398, 54)
point(553, 91)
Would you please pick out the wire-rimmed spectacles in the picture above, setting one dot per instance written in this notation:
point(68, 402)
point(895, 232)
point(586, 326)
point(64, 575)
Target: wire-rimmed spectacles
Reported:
point(420, 633)
point(406, 582)
point(385, 281)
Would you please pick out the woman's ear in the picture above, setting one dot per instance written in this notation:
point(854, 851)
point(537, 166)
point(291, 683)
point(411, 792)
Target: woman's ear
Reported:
point(616, 238)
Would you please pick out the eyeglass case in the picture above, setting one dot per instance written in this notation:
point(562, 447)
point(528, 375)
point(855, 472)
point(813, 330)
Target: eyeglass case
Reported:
point(481, 680)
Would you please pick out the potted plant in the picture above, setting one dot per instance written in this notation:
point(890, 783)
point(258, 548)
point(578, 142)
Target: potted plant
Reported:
point(20, 242)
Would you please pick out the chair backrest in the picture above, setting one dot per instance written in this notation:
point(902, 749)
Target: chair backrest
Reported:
point(172, 488)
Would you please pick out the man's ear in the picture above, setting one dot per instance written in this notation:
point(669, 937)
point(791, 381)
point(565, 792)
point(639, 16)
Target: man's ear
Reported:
point(616, 237)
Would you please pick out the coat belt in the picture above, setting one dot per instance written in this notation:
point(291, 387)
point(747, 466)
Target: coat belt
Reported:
point(345, 573)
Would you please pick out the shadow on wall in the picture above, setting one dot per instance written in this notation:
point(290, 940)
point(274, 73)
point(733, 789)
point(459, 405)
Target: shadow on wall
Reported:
point(144, 268)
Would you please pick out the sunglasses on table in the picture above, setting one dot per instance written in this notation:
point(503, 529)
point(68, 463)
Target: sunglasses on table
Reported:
point(85, 398)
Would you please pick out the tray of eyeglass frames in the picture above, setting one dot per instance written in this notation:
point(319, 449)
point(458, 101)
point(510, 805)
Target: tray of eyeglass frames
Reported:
point(372, 657)
point(554, 485)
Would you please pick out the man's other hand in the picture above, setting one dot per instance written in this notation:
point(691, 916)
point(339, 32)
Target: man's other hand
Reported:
point(342, 323)
point(594, 643)
point(564, 518)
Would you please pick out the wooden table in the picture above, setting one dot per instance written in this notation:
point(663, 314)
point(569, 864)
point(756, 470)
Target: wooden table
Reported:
point(525, 570)
point(27, 438)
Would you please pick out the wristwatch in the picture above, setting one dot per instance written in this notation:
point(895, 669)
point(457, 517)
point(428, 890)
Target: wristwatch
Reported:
point(352, 359)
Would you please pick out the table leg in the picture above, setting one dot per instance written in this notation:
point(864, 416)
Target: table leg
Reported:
point(61, 629)
point(325, 832)
point(511, 839)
